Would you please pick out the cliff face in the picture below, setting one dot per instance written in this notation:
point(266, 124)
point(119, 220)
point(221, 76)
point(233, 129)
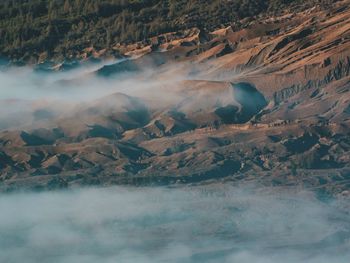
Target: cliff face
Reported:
point(268, 103)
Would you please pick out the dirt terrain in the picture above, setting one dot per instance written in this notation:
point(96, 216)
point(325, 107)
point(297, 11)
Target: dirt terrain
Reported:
point(268, 104)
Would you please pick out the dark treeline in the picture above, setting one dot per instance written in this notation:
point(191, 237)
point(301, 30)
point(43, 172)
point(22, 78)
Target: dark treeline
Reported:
point(31, 27)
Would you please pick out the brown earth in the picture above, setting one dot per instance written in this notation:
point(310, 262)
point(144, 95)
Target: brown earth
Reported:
point(269, 104)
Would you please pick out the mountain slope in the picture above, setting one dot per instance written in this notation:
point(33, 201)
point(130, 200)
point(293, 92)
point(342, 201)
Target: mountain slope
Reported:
point(40, 30)
point(268, 104)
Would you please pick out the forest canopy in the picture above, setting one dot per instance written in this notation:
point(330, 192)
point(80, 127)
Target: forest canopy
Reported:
point(30, 27)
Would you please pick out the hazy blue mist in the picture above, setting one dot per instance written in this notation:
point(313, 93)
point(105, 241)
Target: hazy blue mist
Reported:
point(201, 224)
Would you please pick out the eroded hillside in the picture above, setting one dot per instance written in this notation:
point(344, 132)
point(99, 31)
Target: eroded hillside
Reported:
point(269, 103)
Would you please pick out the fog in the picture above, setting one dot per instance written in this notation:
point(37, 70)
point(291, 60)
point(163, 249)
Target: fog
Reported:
point(26, 90)
point(75, 85)
point(193, 224)
point(83, 82)
point(32, 98)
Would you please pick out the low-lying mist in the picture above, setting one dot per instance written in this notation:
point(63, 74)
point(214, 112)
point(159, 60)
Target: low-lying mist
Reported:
point(198, 224)
point(75, 85)
point(24, 91)
point(31, 98)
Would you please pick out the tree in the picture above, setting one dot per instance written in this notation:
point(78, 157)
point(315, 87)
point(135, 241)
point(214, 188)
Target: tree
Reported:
point(66, 6)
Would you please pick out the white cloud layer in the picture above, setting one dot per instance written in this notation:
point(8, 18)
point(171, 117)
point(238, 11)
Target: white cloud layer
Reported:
point(202, 224)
